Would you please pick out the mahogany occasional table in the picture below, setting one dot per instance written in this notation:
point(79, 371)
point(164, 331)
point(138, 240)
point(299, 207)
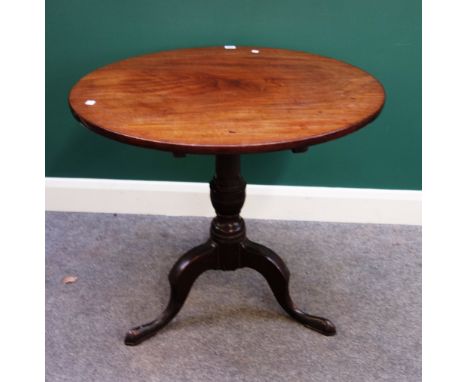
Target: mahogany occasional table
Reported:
point(227, 101)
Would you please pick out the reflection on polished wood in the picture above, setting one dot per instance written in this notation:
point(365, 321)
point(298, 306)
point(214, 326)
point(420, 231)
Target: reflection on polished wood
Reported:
point(216, 100)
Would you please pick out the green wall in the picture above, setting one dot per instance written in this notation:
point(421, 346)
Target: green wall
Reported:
point(382, 37)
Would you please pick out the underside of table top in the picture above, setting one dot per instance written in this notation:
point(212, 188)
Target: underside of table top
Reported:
point(226, 101)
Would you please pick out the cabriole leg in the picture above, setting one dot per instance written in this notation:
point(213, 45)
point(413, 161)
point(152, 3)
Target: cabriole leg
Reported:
point(181, 278)
point(273, 268)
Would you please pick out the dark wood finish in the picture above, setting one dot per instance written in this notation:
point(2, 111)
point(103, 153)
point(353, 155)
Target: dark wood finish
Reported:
point(218, 101)
point(227, 249)
point(227, 102)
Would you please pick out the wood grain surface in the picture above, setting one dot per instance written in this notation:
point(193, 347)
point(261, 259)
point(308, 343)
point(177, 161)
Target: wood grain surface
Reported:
point(225, 101)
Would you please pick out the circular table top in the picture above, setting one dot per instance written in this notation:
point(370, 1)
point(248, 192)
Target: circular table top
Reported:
point(222, 100)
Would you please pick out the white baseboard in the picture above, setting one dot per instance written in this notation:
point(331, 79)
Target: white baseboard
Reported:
point(349, 205)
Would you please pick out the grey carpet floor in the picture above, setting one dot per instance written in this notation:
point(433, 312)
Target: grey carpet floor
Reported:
point(365, 278)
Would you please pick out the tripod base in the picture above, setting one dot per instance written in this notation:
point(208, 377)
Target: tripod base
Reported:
point(227, 249)
point(208, 256)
